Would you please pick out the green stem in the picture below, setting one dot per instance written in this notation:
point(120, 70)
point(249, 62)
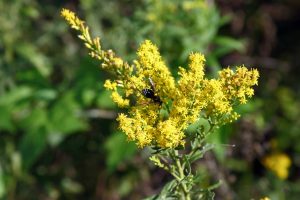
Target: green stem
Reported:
point(179, 168)
point(200, 141)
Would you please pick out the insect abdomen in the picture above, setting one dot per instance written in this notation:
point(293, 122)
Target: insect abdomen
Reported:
point(148, 93)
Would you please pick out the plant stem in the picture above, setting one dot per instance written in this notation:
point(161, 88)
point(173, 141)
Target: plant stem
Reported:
point(181, 176)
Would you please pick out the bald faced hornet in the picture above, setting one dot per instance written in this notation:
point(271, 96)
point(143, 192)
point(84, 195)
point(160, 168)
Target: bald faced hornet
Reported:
point(150, 93)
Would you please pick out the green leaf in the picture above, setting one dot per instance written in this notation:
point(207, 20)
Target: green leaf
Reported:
point(32, 145)
point(201, 124)
point(208, 195)
point(34, 140)
point(34, 120)
point(219, 140)
point(153, 197)
point(15, 95)
point(187, 162)
point(227, 44)
point(88, 96)
point(199, 153)
point(104, 100)
point(5, 116)
point(167, 193)
point(33, 55)
point(214, 186)
point(46, 94)
point(64, 116)
point(2, 183)
point(14, 106)
point(118, 150)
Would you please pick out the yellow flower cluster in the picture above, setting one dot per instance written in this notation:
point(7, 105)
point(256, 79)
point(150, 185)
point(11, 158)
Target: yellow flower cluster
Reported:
point(265, 198)
point(278, 163)
point(238, 85)
point(160, 108)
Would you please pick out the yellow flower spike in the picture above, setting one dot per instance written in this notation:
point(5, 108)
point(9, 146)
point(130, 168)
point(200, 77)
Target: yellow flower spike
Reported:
point(152, 66)
point(119, 100)
point(187, 103)
point(72, 19)
point(110, 60)
point(279, 163)
point(238, 84)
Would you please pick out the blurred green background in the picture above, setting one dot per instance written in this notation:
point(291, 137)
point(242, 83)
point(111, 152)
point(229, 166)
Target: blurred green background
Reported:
point(58, 135)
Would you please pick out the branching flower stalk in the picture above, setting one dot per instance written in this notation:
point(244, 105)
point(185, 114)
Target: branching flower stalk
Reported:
point(162, 110)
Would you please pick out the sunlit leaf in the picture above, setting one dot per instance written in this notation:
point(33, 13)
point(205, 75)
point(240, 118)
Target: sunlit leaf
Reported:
point(118, 150)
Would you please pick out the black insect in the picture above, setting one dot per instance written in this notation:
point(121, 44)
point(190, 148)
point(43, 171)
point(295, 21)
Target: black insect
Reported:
point(150, 93)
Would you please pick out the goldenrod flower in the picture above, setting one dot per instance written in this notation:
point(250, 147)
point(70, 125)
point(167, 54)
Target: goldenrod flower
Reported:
point(110, 85)
point(72, 19)
point(279, 163)
point(151, 65)
point(238, 85)
point(160, 108)
point(168, 134)
point(190, 5)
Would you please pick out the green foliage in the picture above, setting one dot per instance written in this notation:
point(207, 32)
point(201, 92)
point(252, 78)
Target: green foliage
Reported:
point(120, 153)
point(191, 25)
point(39, 107)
